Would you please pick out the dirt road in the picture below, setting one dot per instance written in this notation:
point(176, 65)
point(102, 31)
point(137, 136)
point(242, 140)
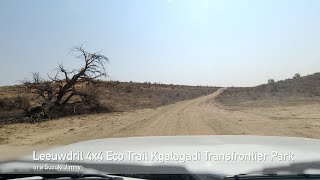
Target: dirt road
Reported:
point(200, 116)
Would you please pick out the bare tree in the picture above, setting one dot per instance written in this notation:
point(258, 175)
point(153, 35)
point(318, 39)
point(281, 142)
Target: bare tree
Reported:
point(57, 91)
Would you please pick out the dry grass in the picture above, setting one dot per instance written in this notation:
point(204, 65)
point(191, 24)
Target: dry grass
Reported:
point(126, 96)
point(291, 91)
point(118, 96)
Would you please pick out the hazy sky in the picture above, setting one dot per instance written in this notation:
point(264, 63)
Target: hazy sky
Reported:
point(199, 42)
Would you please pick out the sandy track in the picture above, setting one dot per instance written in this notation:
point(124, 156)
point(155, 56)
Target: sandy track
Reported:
point(200, 116)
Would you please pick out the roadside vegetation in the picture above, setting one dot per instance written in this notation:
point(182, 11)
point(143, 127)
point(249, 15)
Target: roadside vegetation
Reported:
point(296, 90)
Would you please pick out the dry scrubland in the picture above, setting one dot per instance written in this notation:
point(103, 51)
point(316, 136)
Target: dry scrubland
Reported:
point(114, 96)
point(295, 91)
point(286, 108)
point(294, 102)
